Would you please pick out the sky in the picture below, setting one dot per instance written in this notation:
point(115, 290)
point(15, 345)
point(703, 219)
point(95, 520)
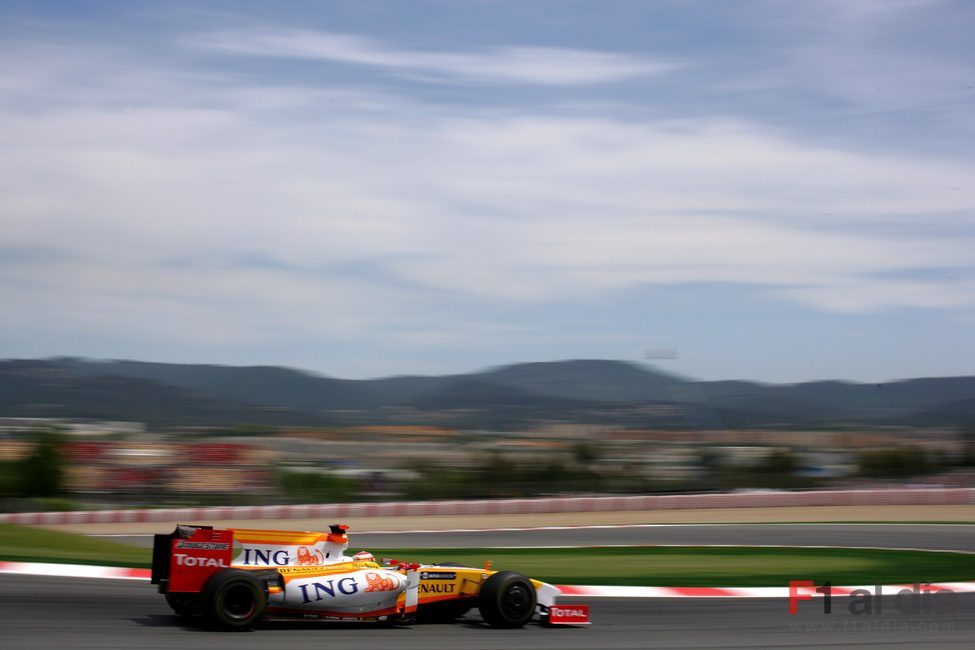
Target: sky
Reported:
point(770, 190)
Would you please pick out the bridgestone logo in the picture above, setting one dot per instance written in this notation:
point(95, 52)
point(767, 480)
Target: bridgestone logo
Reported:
point(203, 546)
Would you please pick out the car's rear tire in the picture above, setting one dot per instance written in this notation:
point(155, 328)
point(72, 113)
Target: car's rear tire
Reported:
point(507, 599)
point(185, 605)
point(234, 599)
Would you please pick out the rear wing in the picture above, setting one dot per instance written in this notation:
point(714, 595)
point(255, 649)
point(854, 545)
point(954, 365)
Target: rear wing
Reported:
point(184, 559)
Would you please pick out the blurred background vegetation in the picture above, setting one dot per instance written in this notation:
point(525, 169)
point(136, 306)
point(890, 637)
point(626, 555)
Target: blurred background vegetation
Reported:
point(80, 434)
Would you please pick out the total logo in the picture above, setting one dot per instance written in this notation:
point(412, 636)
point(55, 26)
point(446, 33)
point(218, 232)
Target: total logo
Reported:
point(188, 560)
point(569, 612)
point(568, 615)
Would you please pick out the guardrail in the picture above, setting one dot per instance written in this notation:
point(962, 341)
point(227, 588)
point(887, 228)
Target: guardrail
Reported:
point(892, 496)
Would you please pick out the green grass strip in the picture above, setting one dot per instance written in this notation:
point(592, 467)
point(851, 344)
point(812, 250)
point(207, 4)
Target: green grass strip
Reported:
point(698, 566)
point(26, 544)
point(694, 566)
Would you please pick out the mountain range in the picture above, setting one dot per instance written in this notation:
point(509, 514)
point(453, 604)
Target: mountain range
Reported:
point(515, 396)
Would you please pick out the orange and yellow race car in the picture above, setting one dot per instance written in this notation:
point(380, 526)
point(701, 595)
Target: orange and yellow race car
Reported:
point(234, 578)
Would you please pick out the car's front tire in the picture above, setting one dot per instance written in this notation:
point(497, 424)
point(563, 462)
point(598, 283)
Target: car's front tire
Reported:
point(507, 599)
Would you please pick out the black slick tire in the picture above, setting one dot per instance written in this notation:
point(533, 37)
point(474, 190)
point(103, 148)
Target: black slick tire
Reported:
point(507, 600)
point(234, 599)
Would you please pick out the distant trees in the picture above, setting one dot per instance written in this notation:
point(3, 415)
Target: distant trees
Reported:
point(316, 486)
point(780, 462)
point(496, 475)
point(893, 463)
point(968, 445)
point(778, 469)
point(40, 474)
point(247, 430)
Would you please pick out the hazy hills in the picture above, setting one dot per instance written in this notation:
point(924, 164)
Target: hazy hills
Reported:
point(594, 391)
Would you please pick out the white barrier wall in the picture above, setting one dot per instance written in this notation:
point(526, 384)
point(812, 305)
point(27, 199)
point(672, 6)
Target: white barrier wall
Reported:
point(337, 512)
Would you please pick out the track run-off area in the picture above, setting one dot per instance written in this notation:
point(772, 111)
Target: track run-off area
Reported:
point(50, 612)
point(53, 612)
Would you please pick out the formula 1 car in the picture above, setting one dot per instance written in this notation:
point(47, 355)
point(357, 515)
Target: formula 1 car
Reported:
point(233, 578)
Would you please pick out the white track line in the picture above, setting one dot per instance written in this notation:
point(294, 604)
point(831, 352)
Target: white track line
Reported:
point(73, 570)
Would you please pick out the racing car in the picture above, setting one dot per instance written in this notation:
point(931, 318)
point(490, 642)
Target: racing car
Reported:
point(235, 577)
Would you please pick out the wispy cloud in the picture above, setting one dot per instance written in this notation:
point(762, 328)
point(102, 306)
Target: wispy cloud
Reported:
point(868, 294)
point(527, 209)
point(872, 56)
point(530, 65)
point(196, 200)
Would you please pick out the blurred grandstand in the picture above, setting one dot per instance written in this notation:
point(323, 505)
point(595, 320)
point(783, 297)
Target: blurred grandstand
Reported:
point(112, 462)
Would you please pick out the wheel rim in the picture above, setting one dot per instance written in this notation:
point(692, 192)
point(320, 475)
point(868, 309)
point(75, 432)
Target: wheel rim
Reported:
point(239, 602)
point(517, 603)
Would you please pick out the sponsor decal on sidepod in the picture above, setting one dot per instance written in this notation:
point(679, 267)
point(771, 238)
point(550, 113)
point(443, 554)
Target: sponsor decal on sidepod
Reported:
point(280, 556)
point(345, 586)
point(370, 589)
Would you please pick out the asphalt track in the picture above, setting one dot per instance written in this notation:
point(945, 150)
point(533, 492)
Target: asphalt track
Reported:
point(919, 536)
point(43, 612)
